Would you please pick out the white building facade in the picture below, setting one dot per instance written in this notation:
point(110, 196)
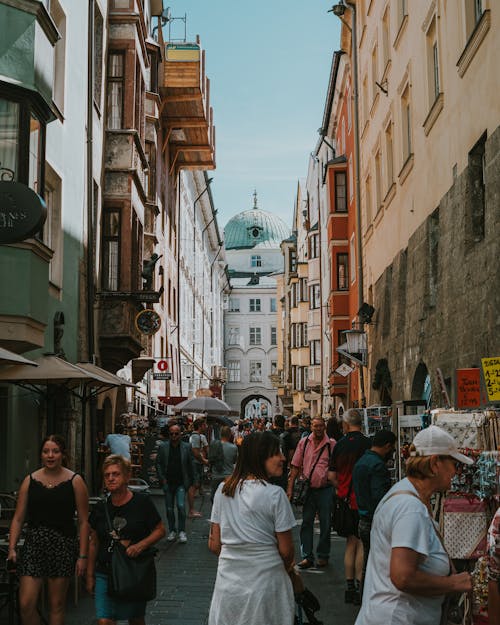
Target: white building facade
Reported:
point(252, 242)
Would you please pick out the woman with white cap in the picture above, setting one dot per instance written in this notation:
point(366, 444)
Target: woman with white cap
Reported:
point(409, 572)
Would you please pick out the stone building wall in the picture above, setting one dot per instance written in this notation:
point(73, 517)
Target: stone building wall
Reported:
point(438, 303)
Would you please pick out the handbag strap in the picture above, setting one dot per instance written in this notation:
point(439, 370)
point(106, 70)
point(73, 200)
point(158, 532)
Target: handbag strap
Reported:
point(438, 533)
point(317, 459)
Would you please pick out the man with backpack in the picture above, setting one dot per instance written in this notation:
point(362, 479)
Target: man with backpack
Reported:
point(221, 458)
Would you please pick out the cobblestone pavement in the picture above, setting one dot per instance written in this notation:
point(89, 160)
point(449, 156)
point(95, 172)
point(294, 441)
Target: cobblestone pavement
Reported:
point(186, 575)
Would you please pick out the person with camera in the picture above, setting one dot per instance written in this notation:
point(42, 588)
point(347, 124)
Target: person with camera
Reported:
point(310, 461)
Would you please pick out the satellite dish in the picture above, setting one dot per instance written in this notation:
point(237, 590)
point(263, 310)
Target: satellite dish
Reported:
point(166, 14)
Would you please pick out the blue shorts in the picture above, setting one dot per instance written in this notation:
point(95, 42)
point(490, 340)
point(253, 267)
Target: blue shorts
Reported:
point(114, 609)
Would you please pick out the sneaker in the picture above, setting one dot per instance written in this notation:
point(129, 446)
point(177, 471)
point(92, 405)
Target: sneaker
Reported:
point(352, 596)
point(182, 537)
point(171, 537)
point(305, 564)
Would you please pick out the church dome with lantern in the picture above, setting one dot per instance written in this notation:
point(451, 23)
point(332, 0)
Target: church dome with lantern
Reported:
point(255, 228)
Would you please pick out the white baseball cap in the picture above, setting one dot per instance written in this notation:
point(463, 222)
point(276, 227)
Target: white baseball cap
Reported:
point(433, 441)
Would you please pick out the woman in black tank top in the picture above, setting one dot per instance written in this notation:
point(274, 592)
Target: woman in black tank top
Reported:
point(48, 501)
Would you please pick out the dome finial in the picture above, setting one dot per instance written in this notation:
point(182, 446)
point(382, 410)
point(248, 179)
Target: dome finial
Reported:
point(255, 199)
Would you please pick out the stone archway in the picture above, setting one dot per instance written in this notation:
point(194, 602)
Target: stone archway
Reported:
point(262, 407)
point(421, 387)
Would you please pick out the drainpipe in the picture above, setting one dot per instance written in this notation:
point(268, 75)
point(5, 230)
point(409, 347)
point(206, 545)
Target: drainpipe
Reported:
point(90, 185)
point(178, 252)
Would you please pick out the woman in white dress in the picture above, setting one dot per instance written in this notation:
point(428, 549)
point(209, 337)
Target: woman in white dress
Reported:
point(251, 532)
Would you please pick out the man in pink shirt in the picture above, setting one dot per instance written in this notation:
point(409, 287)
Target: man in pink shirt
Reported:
point(310, 460)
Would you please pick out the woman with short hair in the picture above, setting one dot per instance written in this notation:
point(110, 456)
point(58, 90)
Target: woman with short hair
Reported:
point(409, 572)
point(251, 532)
point(140, 527)
point(48, 499)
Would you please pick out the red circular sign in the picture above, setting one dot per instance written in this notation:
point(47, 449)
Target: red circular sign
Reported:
point(162, 365)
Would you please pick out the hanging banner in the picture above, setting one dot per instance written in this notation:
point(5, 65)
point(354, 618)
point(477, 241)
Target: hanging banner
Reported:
point(468, 388)
point(491, 374)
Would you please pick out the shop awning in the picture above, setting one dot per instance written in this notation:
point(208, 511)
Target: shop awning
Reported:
point(108, 378)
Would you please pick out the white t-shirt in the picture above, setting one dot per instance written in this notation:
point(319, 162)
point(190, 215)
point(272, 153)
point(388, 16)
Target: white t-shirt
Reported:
point(253, 515)
point(403, 521)
point(119, 444)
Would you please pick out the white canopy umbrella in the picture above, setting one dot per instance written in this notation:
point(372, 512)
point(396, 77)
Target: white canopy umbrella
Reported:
point(8, 358)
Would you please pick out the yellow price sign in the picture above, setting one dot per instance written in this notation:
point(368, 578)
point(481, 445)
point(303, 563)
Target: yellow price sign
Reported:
point(491, 374)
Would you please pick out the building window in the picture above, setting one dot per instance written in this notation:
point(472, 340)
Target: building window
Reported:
point(273, 305)
point(348, 108)
point(389, 156)
point(233, 371)
point(153, 72)
point(473, 12)
point(432, 62)
point(98, 50)
point(375, 76)
point(386, 51)
point(314, 246)
point(59, 18)
point(368, 201)
point(255, 371)
point(274, 367)
point(340, 192)
point(342, 272)
point(234, 304)
point(256, 261)
point(351, 179)
point(314, 296)
point(406, 124)
point(35, 154)
point(378, 181)
point(52, 231)
point(233, 336)
point(292, 261)
point(111, 250)
point(116, 80)
point(9, 140)
point(402, 11)
point(303, 291)
point(255, 305)
point(255, 336)
point(353, 259)
point(150, 173)
point(274, 336)
point(364, 101)
point(315, 352)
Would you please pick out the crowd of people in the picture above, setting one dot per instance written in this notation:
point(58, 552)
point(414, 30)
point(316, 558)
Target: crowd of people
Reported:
point(395, 563)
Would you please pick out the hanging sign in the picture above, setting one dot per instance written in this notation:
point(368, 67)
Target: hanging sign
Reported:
point(22, 212)
point(148, 321)
point(468, 388)
point(491, 373)
point(161, 369)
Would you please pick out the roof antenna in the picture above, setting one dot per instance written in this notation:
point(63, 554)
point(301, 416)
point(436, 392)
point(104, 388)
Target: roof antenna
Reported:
point(255, 199)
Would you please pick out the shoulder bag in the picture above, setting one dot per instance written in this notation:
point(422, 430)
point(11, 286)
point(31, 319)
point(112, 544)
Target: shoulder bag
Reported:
point(132, 579)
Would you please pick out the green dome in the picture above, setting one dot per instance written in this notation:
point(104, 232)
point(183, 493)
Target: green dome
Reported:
point(255, 228)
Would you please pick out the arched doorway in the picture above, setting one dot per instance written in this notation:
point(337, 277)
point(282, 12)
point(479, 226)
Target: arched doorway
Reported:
point(382, 382)
point(256, 407)
point(421, 387)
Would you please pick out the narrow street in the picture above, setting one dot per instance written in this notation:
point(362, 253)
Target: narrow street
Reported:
point(186, 575)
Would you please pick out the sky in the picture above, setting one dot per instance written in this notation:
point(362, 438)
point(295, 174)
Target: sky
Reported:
point(268, 63)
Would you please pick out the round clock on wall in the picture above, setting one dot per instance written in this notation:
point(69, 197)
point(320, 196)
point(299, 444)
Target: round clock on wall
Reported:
point(148, 321)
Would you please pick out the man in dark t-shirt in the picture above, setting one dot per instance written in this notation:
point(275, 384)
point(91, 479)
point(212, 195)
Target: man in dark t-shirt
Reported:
point(174, 464)
point(345, 454)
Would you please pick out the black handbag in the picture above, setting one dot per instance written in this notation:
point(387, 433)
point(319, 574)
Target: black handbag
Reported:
point(133, 579)
point(344, 519)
